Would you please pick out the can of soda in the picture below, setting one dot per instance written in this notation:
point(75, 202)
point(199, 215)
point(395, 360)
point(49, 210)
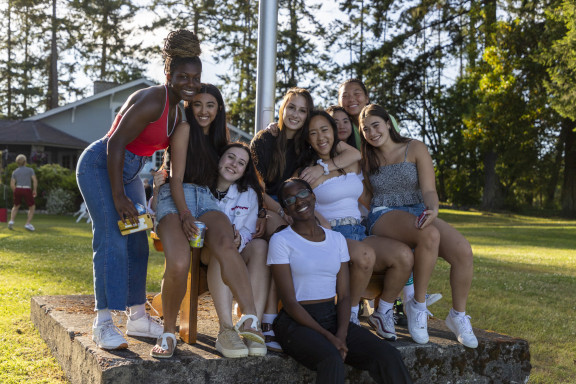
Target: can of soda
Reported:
point(197, 241)
point(140, 208)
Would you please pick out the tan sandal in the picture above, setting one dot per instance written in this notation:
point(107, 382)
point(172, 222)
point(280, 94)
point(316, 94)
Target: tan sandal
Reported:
point(163, 343)
point(253, 332)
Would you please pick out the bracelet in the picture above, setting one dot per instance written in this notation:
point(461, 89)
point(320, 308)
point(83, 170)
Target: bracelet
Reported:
point(323, 165)
point(185, 213)
point(262, 213)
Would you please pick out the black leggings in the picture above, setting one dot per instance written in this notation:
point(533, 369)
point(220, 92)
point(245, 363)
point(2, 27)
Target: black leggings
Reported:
point(366, 351)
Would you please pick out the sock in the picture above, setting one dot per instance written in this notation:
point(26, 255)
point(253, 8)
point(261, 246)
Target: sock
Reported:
point(355, 310)
point(137, 311)
point(102, 316)
point(455, 313)
point(269, 317)
point(419, 306)
point(384, 306)
point(409, 289)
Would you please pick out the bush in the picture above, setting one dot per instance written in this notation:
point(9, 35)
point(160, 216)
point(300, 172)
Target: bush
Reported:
point(59, 201)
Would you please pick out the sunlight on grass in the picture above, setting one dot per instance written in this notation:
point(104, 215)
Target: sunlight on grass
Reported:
point(524, 286)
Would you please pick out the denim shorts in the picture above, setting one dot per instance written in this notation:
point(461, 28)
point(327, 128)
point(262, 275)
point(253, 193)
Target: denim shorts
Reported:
point(415, 209)
point(199, 200)
point(351, 231)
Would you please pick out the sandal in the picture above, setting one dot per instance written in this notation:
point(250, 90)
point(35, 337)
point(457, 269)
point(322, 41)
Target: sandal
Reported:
point(253, 332)
point(163, 343)
point(270, 338)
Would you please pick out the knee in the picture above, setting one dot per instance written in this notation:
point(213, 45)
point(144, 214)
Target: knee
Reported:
point(430, 237)
point(364, 260)
point(405, 259)
point(465, 256)
point(177, 267)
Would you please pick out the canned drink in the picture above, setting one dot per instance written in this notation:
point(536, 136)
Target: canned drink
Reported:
point(140, 208)
point(197, 241)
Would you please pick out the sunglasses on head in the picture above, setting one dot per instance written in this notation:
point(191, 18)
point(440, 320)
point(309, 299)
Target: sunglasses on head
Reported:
point(292, 199)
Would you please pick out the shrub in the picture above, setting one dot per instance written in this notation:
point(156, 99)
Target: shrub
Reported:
point(59, 201)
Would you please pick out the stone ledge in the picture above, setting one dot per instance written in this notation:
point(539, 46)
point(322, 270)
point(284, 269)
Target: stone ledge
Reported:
point(64, 322)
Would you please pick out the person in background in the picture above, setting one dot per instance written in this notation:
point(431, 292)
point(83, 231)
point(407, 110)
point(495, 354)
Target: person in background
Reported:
point(344, 124)
point(404, 206)
point(24, 185)
point(107, 175)
point(310, 267)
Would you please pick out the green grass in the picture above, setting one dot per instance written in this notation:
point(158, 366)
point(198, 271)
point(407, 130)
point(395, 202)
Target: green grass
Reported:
point(524, 286)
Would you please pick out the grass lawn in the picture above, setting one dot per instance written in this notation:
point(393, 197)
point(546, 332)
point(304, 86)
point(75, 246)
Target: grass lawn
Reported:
point(524, 286)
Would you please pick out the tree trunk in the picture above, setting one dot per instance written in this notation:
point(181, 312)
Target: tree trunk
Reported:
point(569, 184)
point(491, 198)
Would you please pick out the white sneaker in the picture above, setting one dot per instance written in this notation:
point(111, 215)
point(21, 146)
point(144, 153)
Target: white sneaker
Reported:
point(431, 298)
point(10, 224)
point(417, 322)
point(461, 327)
point(108, 336)
point(146, 326)
point(30, 227)
point(384, 324)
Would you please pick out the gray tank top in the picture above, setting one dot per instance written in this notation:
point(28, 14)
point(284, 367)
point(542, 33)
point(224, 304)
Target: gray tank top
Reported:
point(396, 185)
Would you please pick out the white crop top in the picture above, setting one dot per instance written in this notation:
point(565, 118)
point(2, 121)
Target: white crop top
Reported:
point(337, 198)
point(314, 265)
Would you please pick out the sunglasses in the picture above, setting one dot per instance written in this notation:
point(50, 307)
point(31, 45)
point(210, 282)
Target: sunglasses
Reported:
point(292, 199)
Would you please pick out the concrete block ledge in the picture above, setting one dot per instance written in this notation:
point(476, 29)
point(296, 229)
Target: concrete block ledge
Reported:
point(64, 322)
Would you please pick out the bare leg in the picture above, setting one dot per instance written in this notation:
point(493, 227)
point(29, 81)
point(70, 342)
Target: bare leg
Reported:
point(399, 225)
point(14, 212)
point(220, 243)
point(30, 213)
point(221, 294)
point(395, 260)
point(456, 250)
point(177, 253)
point(255, 254)
point(362, 258)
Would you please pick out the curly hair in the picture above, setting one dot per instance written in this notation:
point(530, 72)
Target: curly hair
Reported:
point(180, 46)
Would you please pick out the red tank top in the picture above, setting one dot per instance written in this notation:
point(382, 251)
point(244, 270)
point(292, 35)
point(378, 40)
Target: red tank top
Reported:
point(154, 137)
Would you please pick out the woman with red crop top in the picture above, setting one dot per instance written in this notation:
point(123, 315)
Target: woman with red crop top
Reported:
point(107, 175)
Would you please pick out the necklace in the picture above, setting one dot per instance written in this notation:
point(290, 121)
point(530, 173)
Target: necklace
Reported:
point(221, 194)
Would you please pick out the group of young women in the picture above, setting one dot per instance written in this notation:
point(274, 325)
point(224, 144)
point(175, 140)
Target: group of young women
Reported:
point(287, 206)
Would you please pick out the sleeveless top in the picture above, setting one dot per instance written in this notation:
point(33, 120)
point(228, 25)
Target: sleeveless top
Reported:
point(337, 198)
point(154, 137)
point(396, 185)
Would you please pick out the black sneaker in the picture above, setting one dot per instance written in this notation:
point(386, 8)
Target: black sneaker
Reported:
point(399, 315)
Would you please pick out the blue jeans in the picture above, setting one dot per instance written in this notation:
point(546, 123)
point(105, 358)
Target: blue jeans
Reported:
point(366, 351)
point(199, 200)
point(120, 262)
point(352, 232)
point(415, 209)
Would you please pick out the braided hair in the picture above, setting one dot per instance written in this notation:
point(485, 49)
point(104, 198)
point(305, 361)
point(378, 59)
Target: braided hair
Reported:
point(181, 46)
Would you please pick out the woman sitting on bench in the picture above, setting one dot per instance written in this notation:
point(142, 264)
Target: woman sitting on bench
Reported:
point(338, 193)
point(310, 268)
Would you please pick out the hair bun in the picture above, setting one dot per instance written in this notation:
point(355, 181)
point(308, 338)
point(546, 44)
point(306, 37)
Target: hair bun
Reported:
point(181, 43)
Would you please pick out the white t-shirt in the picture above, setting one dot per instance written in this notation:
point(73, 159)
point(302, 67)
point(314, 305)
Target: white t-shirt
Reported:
point(314, 265)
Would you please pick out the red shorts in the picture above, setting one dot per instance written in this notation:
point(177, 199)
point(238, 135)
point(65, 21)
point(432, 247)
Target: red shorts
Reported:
point(23, 194)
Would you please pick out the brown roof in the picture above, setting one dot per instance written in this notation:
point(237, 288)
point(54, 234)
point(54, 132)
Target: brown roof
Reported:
point(38, 133)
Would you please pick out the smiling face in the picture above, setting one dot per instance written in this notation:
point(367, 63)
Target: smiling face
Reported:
point(205, 108)
point(303, 206)
point(294, 115)
point(375, 130)
point(232, 164)
point(184, 81)
point(344, 125)
point(352, 98)
point(321, 136)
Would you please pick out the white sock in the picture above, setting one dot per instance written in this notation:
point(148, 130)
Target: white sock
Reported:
point(355, 310)
point(408, 292)
point(269, 317)
point(102, 316)
point(384, 306)
point(419, 306)
point(137, 311)
point(455, 313)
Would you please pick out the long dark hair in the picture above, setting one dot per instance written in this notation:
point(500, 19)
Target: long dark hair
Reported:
point(202, 154)
point(351, 140)
point(370, 162)
point(278, 162)
point(251, 178)
point(309, 155)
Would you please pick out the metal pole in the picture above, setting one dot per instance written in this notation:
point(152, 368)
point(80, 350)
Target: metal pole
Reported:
point(266, 67)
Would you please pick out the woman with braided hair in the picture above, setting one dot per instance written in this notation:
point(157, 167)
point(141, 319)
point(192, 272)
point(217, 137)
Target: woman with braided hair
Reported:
point(107, 175)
